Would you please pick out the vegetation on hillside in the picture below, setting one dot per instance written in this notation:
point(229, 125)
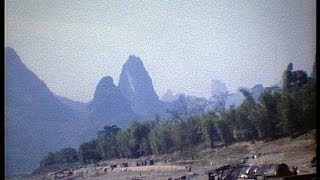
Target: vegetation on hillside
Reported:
point(289, 111)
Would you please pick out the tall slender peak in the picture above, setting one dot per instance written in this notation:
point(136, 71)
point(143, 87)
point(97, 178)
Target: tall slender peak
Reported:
point(135, 80)
point(136, 85)
point(133, 63)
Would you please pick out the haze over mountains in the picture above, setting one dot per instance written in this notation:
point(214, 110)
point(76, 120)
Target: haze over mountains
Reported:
point(109, 105)
point(38, 121)
point(136, 85)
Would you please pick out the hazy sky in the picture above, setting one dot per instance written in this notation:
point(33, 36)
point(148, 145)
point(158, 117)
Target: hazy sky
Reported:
point(183, 44)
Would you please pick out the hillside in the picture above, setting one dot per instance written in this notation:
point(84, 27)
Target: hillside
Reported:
point(36, 121)
point(292, 151)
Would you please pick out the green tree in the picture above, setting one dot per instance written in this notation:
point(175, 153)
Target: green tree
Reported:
point(304, 106)
point(64, 156)
point(88, 152)
point(48, 160)
point(308, 104)
point(226, 125)
point(287, 78)
point(266, 115)
point(123, 144)
point(298, 103)
point(139, 143)
point(193, 131)
point(290, 115)
point(209, 130)
point(177, 132)
point(160, 139)
point(187, 134)
point(106, 142)
point(300, 78)
point(245, 127)
point(68, 155)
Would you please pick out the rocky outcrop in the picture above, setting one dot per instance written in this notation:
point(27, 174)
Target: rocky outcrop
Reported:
point(136, 85)
point(109, 106)
point(169, 96)
point(219, 88)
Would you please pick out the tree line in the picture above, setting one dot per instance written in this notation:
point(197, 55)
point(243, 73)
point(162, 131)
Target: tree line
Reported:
point(290, 111)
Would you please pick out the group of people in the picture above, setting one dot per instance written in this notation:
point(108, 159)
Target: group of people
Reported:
point(145, 163)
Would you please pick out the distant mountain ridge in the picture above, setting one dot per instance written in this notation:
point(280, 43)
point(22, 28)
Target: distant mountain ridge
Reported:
point(133, 99)
point(220, 92)
point(24, 87)
point(74, 105)
point(49, 122)
point(36, 121)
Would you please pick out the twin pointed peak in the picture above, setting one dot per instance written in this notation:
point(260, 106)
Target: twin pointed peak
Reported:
point(134, 62)
point(135, 86)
